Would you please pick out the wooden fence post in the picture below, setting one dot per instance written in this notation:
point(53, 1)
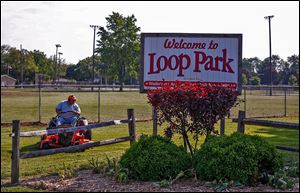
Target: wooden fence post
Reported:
point(222, 128)
point(131, 125)
point(40, 103)
point(285, 102)
point(154, 118)
point(241, 125)
point(15, 157)
point(99, 104)
point(245, 102)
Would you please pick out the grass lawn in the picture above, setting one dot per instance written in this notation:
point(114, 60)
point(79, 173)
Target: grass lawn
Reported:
point(19, 189)
point(18, 104)
point(23, 106)
point(54, 163)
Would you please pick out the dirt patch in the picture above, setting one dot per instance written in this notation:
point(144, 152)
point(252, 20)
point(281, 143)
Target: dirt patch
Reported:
point(86, 181)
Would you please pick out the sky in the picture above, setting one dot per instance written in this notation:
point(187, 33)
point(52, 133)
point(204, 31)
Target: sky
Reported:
point(41, 25)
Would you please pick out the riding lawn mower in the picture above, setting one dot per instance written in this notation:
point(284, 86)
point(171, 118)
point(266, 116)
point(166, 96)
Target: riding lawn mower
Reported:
point(67, 138)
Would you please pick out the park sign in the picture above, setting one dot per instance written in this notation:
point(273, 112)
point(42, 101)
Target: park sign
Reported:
point(213, 59)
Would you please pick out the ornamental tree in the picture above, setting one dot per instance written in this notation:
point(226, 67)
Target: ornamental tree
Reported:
point(191, 108)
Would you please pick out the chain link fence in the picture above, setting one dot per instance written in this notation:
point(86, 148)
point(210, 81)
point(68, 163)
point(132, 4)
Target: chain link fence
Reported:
point(32, 103)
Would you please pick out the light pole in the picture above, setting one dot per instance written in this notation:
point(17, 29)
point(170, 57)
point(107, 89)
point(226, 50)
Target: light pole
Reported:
point(55, 69)
point(93, 73)
point(22, 65)
point(270, 57)
point(58, 75)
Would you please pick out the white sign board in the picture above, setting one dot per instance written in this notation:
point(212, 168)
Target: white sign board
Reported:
point(207, 58)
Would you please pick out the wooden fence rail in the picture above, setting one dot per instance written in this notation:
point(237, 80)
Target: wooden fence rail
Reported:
point(16, 156)
point(70, 129)
point(285, 125)
point(74, 148)
point(242, 121)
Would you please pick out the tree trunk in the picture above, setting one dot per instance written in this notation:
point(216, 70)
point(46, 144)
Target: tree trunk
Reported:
point(122, 77)
point(186, 138)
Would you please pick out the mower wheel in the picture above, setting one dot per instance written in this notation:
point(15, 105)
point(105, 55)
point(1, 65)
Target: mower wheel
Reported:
point(46, 146)
point(88, 134)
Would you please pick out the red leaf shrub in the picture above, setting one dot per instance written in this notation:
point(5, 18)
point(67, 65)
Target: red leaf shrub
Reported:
point(191, 107)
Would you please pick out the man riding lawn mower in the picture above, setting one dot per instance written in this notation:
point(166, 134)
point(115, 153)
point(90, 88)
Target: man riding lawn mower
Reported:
point(68, 115)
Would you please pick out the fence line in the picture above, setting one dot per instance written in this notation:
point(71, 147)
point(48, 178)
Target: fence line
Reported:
point(242, 121)
point(75, 148)
point(15, 158)
point(137, 87)
point(53, 87)
point(286, 125)
point(70, 129)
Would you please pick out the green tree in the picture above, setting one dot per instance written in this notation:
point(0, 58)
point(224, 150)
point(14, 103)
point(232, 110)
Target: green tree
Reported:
point(244, 79)
point(293, 80)
point(5, 65)
point(30, 67)
point(32, 61)
point(284, 72)
point(249, 67)
point(45, 65)
point(263, 70)
point(82, 71)
point(255, 80)
point(14, 60)
point(294, 65)
point(119, 46)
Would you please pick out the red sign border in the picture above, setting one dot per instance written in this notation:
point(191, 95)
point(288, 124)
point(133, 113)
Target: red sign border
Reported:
point(238, 36)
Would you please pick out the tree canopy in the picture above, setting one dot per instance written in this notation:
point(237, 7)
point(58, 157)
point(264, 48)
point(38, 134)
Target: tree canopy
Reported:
point(119, 46)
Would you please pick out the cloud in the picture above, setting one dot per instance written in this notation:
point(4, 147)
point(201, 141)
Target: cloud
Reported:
point(31, 10)
point(48, 3)
point(16, 17)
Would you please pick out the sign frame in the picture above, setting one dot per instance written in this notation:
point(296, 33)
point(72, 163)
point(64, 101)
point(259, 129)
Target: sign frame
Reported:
point(195, 35)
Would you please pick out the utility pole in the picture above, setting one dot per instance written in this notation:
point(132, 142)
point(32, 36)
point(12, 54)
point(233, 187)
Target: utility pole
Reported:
point(58, 75)
point(22, 65)
point(7, 69)
point(55, 68)
point(93, 73)
point(270, 58)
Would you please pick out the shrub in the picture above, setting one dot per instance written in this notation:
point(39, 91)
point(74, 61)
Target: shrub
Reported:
point(191, 107)
point(154, 158)
point(237, 157)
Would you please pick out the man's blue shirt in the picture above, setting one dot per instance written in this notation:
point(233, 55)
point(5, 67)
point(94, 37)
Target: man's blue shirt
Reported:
point(64, 107)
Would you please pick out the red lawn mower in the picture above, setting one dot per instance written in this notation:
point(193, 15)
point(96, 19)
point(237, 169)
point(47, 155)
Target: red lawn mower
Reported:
point(67, 138)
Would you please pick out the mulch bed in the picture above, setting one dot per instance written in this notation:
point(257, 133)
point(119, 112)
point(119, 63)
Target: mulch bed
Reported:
point(86, 181)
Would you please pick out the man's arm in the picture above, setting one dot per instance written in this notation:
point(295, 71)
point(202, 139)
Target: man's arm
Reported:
point(58, 108)
point(74, 111)
point(58, 111)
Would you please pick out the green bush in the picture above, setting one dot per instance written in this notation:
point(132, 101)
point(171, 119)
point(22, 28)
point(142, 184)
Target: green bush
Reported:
point(154, 158)
point(237, 157)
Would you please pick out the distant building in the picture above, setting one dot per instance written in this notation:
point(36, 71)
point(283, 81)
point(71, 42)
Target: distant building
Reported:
point(7, 80)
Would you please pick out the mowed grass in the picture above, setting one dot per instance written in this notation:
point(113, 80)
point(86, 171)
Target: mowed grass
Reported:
point(16, 104)
point(23, 105)
point(54, 163)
